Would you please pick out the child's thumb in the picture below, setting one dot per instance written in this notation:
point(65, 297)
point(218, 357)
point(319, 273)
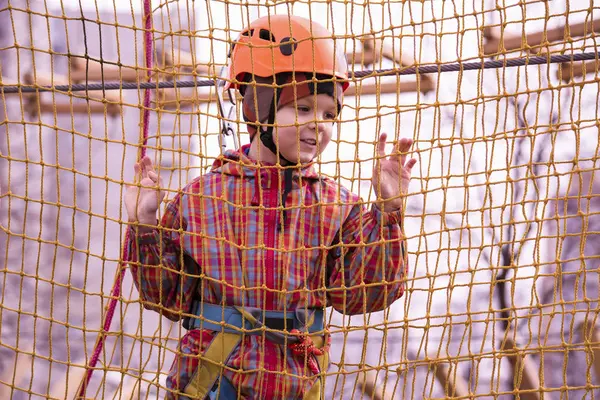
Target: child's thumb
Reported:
point(153, 176)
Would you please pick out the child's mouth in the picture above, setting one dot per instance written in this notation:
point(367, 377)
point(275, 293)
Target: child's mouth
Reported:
point(310, 142)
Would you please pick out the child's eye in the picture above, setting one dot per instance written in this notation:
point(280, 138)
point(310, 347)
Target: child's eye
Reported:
point(330, 116)
point(303, 108)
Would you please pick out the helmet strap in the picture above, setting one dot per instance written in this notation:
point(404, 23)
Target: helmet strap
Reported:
point(266, 137)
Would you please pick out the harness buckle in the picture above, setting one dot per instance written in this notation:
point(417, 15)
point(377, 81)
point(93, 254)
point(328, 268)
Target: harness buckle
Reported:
point(279, 324)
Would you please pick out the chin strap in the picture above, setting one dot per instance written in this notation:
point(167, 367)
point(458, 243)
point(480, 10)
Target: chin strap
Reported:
point(266, 137)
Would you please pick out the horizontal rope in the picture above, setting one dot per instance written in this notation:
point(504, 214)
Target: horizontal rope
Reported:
point(428, 69)
point(502, 196)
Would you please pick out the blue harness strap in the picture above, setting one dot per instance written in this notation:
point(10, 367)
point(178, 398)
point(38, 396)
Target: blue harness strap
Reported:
point(231, 323)
point(223, 390)
point(229, 319)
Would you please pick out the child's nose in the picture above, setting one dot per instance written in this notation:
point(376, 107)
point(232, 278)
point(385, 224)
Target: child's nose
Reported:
point(317, 125)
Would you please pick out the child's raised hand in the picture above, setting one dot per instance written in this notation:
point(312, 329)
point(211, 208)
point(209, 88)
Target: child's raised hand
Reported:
point(391, 175)
point(142, 202)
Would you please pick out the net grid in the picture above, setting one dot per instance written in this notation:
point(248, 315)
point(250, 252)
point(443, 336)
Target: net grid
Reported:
point(501, 219)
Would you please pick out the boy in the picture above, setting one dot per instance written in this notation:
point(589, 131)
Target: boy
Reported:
point(250, 254)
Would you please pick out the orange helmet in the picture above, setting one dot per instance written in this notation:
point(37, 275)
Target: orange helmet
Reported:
point(282, 43)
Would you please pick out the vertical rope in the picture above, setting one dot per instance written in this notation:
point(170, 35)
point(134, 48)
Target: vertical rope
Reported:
point(116, 289)
point(530, 212)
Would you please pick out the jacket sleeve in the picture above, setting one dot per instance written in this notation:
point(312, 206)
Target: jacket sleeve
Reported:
point(164, 274)
point(366, 265)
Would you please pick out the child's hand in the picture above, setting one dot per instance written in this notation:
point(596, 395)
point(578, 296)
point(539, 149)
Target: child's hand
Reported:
point(391, 175)
point(142, 202)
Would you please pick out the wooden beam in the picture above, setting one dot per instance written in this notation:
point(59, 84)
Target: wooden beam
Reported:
point(67, 387)
point(75, 108)
point(132, 390)
point(40, 79)
point(90, 70)
point(498, 44)
point(525, 373)
point(24, 96)
point(570, 70)
point(592, 331)
point(182, 61)
point(358, 89)
point(15, 371)
point(173, 98)
point(100, 103)
point(374, 50)
point(400, 58)
point(453, 384)
point(372, 388)
point(370, 54)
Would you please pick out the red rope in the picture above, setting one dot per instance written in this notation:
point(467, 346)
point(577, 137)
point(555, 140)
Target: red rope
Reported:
point(305, 348)
point(116, 289)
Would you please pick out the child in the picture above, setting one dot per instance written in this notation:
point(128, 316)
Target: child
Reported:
point(250, 254)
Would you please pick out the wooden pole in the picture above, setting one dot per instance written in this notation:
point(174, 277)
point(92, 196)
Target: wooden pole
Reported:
point(453, 384)
point(372, 388)
point(498, 44)
point(525, 372)
point(592, 331)
point(570, 70)
point(109, 101)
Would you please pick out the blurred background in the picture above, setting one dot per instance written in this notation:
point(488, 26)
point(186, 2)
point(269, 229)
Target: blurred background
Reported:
point(502, 216)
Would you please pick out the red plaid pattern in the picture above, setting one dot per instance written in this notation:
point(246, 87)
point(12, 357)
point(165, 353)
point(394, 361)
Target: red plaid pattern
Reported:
point(221, 238)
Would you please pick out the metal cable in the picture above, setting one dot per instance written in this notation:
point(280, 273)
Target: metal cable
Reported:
point(427, 69)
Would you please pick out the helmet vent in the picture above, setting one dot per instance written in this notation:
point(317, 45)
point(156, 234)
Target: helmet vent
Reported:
point(265, 34)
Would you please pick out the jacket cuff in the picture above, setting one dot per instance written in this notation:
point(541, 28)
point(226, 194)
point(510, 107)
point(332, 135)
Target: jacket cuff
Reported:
point(387, 218)
point(149, 237)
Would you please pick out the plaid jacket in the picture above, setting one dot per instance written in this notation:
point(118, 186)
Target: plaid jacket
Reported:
point(225, 238)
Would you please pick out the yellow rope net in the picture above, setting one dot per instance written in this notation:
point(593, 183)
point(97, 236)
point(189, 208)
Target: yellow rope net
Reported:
point(502, 216)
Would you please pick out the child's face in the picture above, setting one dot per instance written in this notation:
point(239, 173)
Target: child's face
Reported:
point(304, 129)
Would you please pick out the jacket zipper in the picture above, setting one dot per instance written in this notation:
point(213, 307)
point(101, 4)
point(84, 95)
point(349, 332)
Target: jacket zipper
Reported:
point(272, 200)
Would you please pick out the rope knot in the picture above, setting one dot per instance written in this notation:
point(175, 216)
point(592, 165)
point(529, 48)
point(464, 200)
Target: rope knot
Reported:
point(304, 348)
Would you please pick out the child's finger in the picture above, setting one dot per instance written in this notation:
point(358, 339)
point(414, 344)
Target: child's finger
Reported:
point(381, 145)
point(143, 169)
point(139, 172)
point(143, 173)
point(153, 176)
point(148, 164)
point(404, 147)
point(405, 144)
point(396, 154)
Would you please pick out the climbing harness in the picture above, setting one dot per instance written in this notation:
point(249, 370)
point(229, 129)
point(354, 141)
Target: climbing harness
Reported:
point(301, 330)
